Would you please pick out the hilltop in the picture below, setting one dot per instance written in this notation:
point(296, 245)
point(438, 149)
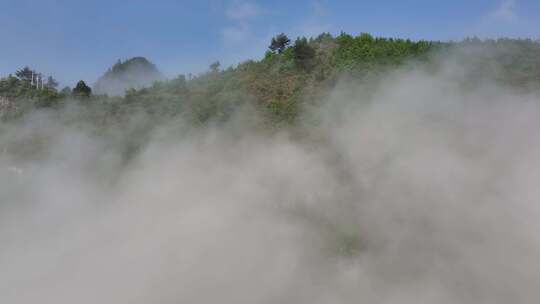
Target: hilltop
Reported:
point(137, 73)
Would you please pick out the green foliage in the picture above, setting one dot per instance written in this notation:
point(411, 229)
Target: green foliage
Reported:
point(284, 82)
point(268, 55)
point(81, 90)
point(282, 112)
point(303, 54)
point(365, 52)
point(21, 88)
point(279, 43)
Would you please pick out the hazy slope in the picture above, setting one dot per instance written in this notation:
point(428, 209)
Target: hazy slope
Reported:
point(136, 73)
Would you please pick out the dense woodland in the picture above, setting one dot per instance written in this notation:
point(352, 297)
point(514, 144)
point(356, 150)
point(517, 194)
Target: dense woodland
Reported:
point(291, 75)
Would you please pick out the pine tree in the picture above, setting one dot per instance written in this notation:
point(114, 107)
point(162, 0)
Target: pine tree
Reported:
point(279, 43)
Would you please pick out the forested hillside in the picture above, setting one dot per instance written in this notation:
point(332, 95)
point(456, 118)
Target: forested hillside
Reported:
point(291, 75)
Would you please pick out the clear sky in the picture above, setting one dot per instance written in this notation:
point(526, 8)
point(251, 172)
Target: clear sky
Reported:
point(75, 39)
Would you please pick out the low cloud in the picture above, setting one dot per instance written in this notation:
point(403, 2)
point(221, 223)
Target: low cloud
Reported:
point(420, 188)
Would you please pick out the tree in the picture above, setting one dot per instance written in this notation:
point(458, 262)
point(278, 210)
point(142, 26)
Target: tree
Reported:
point(51, 83)
point(10, 86)
point(82, 90)
point(117, 66)
point(324, 38)
point(25, 74)
point(214, 67)
point(303, 54)
point(279, 43)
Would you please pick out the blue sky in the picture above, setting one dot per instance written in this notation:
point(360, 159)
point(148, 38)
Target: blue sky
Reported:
point(77, 39)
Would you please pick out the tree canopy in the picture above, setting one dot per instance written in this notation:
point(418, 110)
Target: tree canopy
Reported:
point(287, 79)
point(279, 43)
point(82, 90)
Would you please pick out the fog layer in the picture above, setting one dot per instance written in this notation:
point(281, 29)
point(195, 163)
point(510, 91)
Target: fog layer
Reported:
point(423, 191)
